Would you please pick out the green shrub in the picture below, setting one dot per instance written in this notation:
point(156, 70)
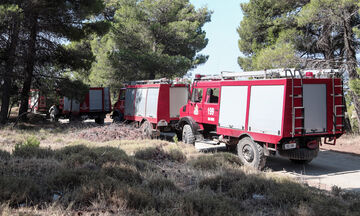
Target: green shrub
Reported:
point(140, 199)
point(4, 155)
point(123, 174)
point(206, 202)
point(158, 185)
point(157, 153)
point(176, 139)
point(76, 156)
point(20, 190)
point(30, 148)
point(176, 155)
point(31, 141)
point(151, 153)
point(224, 182)
point(71, 178)
point(215, 161)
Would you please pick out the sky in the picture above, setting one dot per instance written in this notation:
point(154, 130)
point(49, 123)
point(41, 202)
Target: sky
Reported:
point(223, 38)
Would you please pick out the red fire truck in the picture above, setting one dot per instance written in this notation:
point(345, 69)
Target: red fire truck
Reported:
point(96, 105)
point(154, 105)
point(264, 115)
point(37, 101)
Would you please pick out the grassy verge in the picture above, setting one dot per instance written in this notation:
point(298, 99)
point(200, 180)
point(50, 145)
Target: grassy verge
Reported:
point(48, 171)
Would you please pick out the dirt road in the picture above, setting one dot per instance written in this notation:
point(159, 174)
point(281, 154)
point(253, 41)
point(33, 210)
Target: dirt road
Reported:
point(328, 169)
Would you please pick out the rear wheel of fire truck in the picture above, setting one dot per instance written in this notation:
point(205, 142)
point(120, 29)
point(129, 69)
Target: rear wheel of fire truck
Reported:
point(300, 161)
point(301, 155)
point(146, 129)
point(100, 119)
point(188, 136)
point(118, 117)
point(251, 153)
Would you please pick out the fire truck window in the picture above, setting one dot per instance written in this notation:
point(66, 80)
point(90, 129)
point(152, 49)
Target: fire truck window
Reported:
point(197, 95)
point(212, 95)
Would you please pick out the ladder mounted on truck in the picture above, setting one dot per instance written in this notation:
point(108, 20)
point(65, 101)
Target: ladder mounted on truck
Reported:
point(157, 81)
point(142, 82)
point(280, 73)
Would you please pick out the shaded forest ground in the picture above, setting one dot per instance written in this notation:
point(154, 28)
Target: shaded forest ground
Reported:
point(62, 169)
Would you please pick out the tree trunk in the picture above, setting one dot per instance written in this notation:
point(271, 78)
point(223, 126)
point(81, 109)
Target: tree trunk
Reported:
point(351, 61)
point(325, 43)
point(29, 68)
point(7, 76)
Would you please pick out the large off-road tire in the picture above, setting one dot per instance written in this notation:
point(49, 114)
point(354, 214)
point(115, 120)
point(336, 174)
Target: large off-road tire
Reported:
point(301, 155)
point(300, 161)
point(146, 129)
point(118, 117)
point(251, 153)
point(188, 136)
point(100, 119)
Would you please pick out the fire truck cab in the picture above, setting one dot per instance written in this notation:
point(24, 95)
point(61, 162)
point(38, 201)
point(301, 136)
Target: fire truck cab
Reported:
point(286, 111)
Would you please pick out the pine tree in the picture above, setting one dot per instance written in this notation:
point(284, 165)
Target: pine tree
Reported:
point(150, 39)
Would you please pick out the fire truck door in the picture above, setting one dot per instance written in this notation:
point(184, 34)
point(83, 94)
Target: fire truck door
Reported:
point(211, 106)
point(196, 105)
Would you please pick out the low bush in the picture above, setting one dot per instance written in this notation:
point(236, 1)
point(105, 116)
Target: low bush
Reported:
point(157, 153)
point(176, 155)
point(159, 185)
point(4, 155)
point(31, 148)
point(21, 191)
point(205, 202)
point(106, 180)
point(216, 161)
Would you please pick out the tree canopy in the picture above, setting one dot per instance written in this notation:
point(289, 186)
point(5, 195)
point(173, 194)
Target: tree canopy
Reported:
point(150, 39)
point(102, 43)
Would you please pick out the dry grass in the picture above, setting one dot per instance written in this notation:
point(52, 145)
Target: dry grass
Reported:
point(65, 175)
point(349, 143)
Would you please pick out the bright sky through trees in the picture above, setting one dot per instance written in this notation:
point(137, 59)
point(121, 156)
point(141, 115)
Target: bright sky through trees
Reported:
point(223, 38)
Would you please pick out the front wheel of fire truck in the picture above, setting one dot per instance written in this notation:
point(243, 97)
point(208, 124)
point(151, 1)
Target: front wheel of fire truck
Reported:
point(188, 136)
point(251, 153)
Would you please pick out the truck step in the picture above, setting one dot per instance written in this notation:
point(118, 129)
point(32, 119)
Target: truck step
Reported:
point(208, 142)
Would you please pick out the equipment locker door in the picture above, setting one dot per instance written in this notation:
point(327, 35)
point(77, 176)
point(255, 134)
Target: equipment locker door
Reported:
point(196, 105)
point(211, 106)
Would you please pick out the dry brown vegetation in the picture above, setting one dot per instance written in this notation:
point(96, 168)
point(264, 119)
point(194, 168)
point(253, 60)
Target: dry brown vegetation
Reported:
point(53, 171)
point(349, 143)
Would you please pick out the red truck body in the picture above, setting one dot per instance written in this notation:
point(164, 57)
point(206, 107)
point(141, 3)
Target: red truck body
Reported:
point(37, 101)
point(289, 115)
point(96, 105)
point(154, 105)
